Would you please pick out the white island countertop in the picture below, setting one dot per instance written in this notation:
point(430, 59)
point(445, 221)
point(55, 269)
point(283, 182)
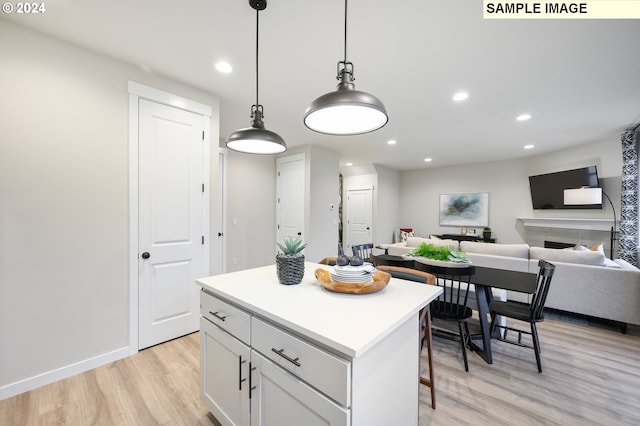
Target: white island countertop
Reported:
point(347, 323)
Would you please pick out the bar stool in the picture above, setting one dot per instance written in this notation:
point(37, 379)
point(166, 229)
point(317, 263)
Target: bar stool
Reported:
point(424, 318)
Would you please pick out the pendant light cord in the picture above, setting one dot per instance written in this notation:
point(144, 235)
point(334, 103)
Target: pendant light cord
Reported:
point(257, 39)
point(345, 31)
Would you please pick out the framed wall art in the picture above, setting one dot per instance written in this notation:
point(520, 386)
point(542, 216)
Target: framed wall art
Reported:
point(464, 210)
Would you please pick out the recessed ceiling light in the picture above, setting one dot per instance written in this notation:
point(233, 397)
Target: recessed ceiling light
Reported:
point(523, 117)
point(391, 142)
point(349, 164)
point(460, 96)
point(427, 160)
point(529, 146)
point(224, 67)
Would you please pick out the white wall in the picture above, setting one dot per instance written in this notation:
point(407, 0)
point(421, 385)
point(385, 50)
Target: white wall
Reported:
point(251, 207)
point(387, 205)
point(386, 199)
point(606, 155)
point(251, 210)
point(322, 185)
point(506, 182)
point(508, 187)
point(324, 188)
point(64, 285)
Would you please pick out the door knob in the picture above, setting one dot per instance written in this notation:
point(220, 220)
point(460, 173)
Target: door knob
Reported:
point(146, 255)
point(299, 233)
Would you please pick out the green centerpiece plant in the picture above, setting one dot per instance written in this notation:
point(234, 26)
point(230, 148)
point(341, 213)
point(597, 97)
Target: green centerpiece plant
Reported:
point(290, 263)
point(442, 253)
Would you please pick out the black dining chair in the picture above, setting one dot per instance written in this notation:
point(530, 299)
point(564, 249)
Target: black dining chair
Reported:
point(424, 318)
point(451, 305)
point(531, 313)
point(364, 251)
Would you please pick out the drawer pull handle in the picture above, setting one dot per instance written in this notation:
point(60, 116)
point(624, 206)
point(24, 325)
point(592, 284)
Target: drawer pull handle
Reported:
point(240, 379)
point(282, 354)
point(251, 387)
point(220, 317)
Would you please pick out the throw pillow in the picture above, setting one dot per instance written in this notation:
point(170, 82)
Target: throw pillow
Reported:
point(405, 233)
point(611, 264)
point(586, 257)
point(598, 247)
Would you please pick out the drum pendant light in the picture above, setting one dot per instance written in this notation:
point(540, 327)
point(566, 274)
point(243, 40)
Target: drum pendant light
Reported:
point(346, 111)
point(256, 139)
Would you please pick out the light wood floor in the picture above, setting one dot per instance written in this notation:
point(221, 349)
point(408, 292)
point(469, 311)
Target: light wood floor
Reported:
point(591, 377)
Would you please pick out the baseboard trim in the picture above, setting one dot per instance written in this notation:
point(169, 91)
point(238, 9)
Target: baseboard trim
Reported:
point(13, 389)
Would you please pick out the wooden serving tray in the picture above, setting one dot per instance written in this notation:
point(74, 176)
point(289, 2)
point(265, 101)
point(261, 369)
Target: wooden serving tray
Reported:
point(380, 281)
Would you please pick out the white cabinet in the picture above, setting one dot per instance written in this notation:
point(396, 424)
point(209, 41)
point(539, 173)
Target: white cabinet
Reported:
point(242, 387)
point(326, 372)
point(281, 399)
point(225, 360)
point(224, 372)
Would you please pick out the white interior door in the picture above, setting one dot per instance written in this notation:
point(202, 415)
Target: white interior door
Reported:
point(171, 229)
point(290, 192)
point(359, 217)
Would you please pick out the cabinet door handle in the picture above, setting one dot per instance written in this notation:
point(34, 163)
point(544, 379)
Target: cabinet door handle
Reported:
point(220, 317)
point(251, 387)
point(240, 379)
point(282, 354)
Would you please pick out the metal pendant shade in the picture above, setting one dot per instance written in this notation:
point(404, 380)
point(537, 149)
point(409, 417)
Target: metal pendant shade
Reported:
point(346, 111)
point(256, 139)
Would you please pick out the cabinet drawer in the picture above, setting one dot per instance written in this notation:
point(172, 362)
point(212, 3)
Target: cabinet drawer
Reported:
point(320, 369)
point(226, 316)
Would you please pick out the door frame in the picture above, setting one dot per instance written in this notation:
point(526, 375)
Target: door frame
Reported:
point(139, 91)
point(221, 241)
point(289, 159)
point(346, 236)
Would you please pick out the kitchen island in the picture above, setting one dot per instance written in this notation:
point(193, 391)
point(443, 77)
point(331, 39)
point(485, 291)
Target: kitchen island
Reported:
point(287, 355)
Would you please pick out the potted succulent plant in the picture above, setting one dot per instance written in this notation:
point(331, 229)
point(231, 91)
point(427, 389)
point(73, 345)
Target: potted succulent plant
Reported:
point(486, 233)
point(290, 263)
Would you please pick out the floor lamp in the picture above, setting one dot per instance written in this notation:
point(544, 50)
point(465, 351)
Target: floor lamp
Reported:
point(588, 196)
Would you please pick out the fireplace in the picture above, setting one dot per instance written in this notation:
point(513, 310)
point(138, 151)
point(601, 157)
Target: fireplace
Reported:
point(557, 245)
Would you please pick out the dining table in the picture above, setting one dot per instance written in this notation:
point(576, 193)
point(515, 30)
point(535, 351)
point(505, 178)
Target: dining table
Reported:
point(484, 280)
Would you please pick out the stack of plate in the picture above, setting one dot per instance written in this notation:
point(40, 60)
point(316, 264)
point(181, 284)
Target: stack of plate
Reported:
point(353, 274)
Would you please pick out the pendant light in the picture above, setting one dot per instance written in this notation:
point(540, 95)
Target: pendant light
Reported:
point(346, 111)
point(256, 139)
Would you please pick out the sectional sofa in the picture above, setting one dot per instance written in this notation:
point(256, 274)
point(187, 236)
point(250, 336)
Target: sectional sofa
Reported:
point(585, 281)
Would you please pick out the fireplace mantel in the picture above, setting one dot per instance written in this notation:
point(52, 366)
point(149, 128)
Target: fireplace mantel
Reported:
point(568, 223)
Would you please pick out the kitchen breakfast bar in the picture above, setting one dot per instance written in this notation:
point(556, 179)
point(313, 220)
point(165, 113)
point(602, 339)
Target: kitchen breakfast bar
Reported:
point(288, 355)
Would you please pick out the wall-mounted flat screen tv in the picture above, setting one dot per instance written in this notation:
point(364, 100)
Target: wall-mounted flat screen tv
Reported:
point(547, 191)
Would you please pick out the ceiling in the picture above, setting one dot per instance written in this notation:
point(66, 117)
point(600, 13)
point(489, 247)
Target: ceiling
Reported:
point(578, 79)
